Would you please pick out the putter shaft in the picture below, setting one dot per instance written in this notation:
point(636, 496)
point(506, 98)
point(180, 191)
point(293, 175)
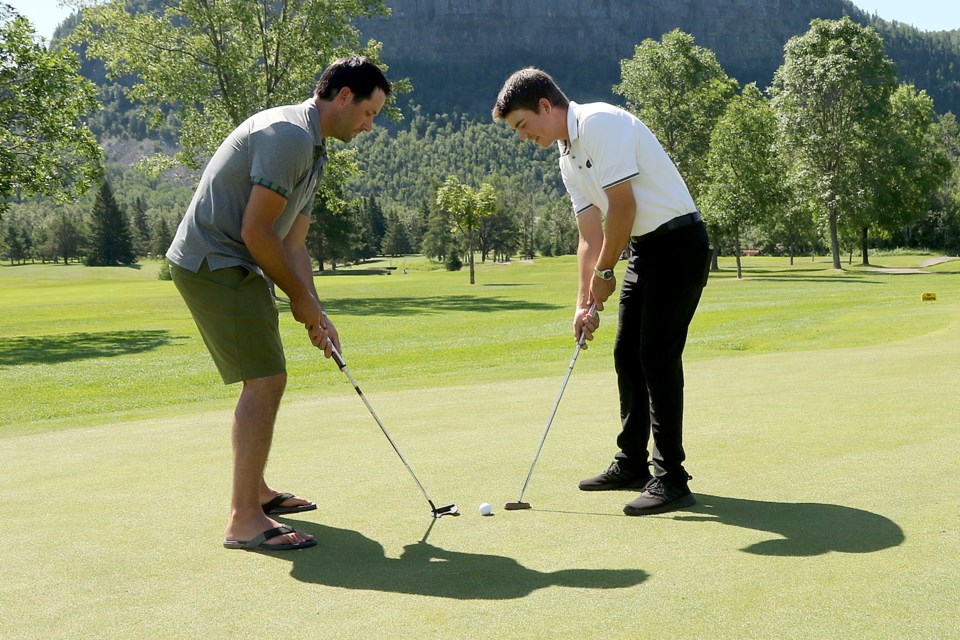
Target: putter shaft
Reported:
point(581, 342)
point(450, 509)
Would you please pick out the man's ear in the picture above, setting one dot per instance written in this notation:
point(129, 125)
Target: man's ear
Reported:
point(545, 105)
point(345, 95)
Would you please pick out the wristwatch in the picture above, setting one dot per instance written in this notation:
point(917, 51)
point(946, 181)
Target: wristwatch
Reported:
point(603, 274)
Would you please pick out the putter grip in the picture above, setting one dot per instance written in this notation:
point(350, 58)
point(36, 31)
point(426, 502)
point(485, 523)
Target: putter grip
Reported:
point(593, 309)
point(338, 359)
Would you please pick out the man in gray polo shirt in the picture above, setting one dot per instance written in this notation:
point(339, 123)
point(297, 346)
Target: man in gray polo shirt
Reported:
point(248, 220)
point(625, 188)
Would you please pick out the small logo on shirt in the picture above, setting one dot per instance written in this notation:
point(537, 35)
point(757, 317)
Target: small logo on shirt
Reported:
point(589, 164)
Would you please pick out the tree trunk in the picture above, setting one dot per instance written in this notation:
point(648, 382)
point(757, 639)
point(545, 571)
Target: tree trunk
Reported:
point(863, 242)
point(834, 241)
point(737, 252)
point(470, 249)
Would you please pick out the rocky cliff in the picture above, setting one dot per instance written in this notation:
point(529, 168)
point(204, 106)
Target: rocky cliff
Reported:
point(458, 52)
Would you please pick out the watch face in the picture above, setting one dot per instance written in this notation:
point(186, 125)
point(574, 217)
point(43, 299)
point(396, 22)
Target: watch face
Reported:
point(604, 274)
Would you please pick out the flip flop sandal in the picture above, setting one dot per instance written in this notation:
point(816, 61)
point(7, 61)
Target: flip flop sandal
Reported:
point(275, 507)
point(257, 544)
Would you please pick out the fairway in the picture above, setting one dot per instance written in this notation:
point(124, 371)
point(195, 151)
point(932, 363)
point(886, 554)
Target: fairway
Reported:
point(821, 431)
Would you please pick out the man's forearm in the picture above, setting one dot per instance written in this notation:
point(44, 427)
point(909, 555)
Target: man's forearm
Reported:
point(587, 254)
point(616, 235)
point(303, 267)
point(270, 255)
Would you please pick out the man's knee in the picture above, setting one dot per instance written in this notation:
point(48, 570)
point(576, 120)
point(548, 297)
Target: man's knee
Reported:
point(267, 387)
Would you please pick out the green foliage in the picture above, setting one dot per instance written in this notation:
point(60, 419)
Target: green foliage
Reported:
point(45, 146)
point(832, 97)
point(111, 242)
point(219, 63)
point(468, 209)
point(557, 233)
point(745, 174)
point(679, 90)
point(454, 263)
point(408, 165)
point(396, 241)
point(163, 273)
point(160, 237)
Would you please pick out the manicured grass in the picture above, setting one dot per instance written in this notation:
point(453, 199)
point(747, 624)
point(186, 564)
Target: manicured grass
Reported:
point(82, 343)
point(821, 432)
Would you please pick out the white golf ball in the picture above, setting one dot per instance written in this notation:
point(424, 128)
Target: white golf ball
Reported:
point(485, 509)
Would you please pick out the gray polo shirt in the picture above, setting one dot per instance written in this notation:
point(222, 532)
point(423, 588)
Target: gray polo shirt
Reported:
point(281, 149)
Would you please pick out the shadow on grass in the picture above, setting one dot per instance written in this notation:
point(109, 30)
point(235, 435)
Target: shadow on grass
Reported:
point(860, 279)
point(428, 305)
point(807, 528)
point(349, 560)
point(56, 349)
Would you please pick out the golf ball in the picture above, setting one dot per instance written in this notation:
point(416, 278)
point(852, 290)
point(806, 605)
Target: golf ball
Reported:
point(485, 509)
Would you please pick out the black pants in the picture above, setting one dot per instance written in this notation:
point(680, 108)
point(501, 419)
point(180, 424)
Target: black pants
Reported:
point(659, 295)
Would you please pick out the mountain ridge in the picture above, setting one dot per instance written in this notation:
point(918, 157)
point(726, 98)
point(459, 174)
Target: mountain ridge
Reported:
point(582, 44)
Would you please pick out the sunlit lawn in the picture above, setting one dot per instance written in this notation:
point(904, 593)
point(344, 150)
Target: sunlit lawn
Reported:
point(821, 433)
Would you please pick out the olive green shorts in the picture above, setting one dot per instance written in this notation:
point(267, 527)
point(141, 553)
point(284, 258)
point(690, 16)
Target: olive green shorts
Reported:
point(237, 318)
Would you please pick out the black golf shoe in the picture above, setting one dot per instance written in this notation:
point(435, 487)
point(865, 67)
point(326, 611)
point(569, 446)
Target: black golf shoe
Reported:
point(660, 496)
point(617, 477)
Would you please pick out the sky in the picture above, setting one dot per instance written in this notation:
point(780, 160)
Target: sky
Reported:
point(929, 15)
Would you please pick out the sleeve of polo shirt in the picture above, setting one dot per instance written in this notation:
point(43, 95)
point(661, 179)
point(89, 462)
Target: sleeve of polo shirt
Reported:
point(607, 141)
point(579, 201)
point(280, 153)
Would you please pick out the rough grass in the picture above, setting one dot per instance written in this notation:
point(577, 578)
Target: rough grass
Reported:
point(821, 413)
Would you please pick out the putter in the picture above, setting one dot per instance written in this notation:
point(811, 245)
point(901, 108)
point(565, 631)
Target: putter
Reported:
point(437, 512)
point(520, 504)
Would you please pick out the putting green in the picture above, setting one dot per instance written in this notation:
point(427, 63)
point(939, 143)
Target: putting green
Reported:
point(826, 510)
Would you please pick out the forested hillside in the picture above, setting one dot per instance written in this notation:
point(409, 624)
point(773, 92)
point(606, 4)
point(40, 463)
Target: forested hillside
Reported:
point(457, 53)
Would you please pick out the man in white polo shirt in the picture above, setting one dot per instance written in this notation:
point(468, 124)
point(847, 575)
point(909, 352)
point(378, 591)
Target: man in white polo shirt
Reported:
point(625, 189)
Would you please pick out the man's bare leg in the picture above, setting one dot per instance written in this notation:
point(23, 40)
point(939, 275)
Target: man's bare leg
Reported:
point(253, 422)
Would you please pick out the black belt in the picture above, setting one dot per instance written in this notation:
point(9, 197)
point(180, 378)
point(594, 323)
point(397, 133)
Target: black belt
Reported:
point(677, 223)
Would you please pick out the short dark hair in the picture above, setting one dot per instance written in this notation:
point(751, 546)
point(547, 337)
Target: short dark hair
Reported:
point(356, 73)
point(524, 89)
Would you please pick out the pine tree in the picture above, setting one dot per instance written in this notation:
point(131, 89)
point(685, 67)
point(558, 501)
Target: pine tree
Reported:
point(141, 228)
point(160, 237)
point(111, 242)
point(395, 240)
point(13, 244)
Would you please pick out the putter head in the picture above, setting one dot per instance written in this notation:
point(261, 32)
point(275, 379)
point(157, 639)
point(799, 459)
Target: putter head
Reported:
point(449, 510)
point(516, 506)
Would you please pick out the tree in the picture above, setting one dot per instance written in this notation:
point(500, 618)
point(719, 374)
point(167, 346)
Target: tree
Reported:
point(557, 233)
point(373, 226)
point(436, 238)
point(395, 239)
point(217, 63)
point(160, 237)
point(66, 238)
point(141, 228)
point(467, 208)
point(13, 244)
point(912, 167)
point(679, 90)
point(333, 236)
point(45, 146)
point(745, 176)
point(832, 98)
point(111, 242)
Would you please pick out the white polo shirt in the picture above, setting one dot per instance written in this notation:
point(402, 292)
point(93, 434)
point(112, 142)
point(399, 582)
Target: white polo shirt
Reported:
point(608, 146)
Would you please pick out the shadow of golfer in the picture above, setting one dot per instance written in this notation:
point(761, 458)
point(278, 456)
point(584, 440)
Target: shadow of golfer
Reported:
point(349, 560)
point(807, 529)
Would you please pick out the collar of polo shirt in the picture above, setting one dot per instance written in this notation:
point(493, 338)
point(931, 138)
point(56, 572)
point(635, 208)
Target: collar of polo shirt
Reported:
point(573, 129)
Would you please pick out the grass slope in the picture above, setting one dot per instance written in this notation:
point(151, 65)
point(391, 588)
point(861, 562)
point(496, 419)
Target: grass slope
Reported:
point(821, 432)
